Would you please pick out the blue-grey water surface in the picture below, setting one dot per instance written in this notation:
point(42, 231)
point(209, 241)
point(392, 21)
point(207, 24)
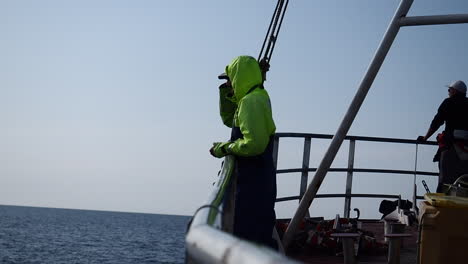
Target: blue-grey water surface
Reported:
point(46, 235)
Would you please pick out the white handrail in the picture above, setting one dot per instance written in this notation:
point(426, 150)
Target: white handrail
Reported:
point(208, 245)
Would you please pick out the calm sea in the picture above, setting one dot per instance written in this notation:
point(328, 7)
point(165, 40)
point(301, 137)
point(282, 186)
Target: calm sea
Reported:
point(46, 235)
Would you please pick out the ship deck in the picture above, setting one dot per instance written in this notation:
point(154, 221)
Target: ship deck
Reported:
point(408, 252)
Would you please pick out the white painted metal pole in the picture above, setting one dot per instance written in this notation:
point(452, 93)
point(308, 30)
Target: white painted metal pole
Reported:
point(349, 178)
point(434, 20)
point(208, 245)
point(348, 119)
point(415, 188)
point(305, 166)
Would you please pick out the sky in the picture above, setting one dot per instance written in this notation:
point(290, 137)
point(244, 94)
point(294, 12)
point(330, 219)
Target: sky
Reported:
point(113, 105)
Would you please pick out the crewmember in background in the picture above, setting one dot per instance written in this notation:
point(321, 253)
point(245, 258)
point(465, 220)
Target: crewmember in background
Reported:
point(453, 150)
point(245, 107)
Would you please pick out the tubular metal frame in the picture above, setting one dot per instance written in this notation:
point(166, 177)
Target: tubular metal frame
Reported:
point(399, 20)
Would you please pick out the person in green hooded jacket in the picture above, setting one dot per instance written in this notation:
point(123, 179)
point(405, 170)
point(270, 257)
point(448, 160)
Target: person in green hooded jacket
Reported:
point(245, 107)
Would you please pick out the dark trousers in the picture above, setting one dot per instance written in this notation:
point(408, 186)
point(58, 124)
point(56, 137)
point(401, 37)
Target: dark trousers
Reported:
point(450, 167)
point(255, 215)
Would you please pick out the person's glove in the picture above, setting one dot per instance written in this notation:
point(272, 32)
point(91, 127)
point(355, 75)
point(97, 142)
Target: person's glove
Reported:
point(420, 139)
point(219, 149)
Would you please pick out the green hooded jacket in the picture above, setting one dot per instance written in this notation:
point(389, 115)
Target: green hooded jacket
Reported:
point(249, 108)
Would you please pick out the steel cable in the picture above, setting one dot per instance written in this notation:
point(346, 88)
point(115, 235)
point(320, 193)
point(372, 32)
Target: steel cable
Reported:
point(273, 31)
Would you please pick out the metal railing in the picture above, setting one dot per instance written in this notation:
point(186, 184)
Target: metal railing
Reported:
point(350, 169)
point(209, 238)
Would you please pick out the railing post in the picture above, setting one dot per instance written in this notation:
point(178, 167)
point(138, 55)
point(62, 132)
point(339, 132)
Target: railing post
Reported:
point(415, 189)
point(305, 167)
point(275, 152)
point(349, 178)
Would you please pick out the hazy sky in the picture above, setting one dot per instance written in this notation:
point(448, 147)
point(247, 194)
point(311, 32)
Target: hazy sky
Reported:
point(113, 105)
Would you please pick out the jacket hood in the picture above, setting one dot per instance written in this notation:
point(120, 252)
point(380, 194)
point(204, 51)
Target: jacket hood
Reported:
point(244, 73)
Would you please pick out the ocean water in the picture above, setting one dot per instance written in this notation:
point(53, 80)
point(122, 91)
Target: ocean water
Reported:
point(46, 235)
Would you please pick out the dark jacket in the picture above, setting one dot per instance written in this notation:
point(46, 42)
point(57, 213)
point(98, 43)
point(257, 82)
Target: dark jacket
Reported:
point(454, 112)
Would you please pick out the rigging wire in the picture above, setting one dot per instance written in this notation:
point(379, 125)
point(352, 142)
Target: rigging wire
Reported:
point(271, 36)
point(277, 32)
point(269, 29)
